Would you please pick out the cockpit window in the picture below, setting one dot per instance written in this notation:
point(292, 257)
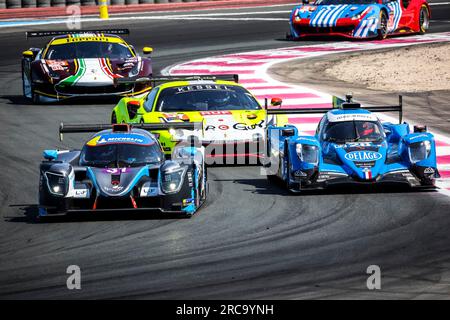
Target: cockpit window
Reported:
point(353, 131)
point(336, 2)
point(88, 49)
point(206, 98)
point(120, 155)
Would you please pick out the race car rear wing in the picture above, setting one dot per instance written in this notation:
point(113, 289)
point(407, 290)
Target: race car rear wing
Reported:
point(154, 81)
point(51, 33)
point(339, 103)
point(122, 127)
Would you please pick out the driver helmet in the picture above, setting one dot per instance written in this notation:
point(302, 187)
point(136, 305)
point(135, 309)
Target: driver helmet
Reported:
point(221, 99)
point(368, 128)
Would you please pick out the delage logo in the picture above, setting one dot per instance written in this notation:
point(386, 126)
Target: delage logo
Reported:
point(363, 156)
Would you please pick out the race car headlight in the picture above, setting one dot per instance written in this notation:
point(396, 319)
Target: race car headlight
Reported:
point(356, 17)
point(53, 74)
point(419, 151)
point(57, 183)
point(135, 70)
point(172, 180)
point(307, 153)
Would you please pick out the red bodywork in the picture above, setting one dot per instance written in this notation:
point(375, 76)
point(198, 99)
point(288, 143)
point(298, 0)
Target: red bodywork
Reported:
point(409, 22)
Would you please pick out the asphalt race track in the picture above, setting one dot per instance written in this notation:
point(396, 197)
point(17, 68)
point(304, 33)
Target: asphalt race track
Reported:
point(251, 240)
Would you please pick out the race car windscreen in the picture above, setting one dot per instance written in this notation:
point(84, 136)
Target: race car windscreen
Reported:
point(336, 2)
point(88, 49)
point(353, 131)
point(206, 98)
point(120, 155)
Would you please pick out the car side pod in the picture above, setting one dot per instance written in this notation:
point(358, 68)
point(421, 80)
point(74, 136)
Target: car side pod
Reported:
point(303, 158)
point(419, 150)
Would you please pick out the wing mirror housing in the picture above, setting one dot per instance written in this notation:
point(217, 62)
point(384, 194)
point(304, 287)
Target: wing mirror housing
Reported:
point(132, 107)
point(28, 54)
point(420, 128)
point(276, 102)
point(50, 155)
point(147, 50)
point(288, 132)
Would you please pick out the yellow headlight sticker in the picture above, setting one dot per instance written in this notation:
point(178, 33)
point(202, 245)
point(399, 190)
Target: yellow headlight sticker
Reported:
point(93, 142)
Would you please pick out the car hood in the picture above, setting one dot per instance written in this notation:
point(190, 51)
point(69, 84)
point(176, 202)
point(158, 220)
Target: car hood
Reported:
point(116, 182)
point(364, 161)
point(327, 15)
point(92, 71)
point(220, 126)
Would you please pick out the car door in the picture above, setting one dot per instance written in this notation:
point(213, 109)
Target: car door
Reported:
point(408, 14)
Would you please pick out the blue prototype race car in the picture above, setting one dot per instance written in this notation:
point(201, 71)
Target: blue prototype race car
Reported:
point(122, 167)
point(351, 146)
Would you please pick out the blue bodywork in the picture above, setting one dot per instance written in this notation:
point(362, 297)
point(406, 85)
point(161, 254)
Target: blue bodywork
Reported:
point(67, 183)
point(355, 19)
point(308, 162)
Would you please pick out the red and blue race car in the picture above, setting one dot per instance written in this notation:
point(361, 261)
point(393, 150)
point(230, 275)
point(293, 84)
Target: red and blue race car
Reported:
point(359, 19)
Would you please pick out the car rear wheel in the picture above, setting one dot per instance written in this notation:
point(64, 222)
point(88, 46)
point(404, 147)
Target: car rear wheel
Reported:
point(382, 30)
point(424, 19)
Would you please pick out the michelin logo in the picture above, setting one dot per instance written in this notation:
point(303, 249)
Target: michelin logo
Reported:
point(120, 139)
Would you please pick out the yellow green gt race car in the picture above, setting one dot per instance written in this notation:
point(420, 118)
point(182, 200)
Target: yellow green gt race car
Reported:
point(234, 122)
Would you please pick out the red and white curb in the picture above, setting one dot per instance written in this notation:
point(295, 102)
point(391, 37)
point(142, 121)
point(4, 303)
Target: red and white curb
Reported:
point(252, 69)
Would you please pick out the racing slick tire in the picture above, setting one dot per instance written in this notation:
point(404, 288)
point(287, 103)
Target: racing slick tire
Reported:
point(35, 98)
point(272, 178)
point(424, 19)
point(291, 186)
point(382, 30)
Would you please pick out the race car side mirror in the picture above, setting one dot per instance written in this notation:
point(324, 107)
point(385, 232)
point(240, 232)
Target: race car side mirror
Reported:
point(419, 128)
point(276, 102)
point(287, 132)
point(132, 107)
point(147, 50)
point(50, 154)
point(28, 54)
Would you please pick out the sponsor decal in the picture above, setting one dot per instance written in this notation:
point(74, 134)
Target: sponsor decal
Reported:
point(243, 126)
point(202, 87)
point(115, 170)
point(187, 202)
point(306, 9)
point(120, 139)
point(429, 170)
point(81, 193)
point(308, 139)
point(58, 65)
point(419, 136)
point(363, 156)
point(215, 113)
point(114, 188)
point(350, 117)
point(358, 144)
point(236, 126)
point(149, 191)
point(367, 174)
point(80, 39)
